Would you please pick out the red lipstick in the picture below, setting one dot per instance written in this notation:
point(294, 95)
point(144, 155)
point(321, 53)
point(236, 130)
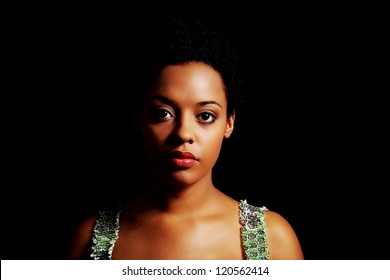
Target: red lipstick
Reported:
point(182, 159)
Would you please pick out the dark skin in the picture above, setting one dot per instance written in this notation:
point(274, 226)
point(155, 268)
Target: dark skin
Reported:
point(182, 215)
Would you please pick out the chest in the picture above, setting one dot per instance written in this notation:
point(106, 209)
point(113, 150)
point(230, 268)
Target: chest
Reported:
point(214, 240)
point(224, 239)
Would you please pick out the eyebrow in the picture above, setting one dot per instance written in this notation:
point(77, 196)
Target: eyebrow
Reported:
point(170, 102)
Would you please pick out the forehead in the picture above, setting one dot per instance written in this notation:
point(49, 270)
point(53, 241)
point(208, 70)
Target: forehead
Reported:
point(190, 80)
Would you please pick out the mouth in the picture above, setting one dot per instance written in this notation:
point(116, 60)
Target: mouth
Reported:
point(182, 160)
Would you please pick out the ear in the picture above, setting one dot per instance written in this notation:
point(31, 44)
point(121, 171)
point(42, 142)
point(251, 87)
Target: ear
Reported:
point(135, 121)
point(229, 125)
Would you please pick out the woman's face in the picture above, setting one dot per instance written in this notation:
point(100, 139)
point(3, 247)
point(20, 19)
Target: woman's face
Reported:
point(184, 121)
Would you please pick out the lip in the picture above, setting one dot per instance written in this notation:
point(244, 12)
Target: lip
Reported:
point(182, 159)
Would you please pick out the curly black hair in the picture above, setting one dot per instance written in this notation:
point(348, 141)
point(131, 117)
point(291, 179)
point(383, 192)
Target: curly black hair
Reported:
point(181, 39)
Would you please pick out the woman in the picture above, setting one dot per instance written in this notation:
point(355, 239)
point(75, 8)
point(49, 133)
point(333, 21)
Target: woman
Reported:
point(188, 106)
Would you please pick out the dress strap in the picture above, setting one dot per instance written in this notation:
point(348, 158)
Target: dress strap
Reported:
point(105, 233)
point(253, 233)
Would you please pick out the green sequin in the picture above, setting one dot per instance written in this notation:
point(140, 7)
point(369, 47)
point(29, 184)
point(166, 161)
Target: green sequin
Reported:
point(253, 233)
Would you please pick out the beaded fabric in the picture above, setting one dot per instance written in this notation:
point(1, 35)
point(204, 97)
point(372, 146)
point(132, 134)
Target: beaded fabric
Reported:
point(253, 234)
point(105, 233)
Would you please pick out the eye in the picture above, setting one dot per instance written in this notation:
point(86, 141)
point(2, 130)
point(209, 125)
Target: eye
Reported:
point(160, 114)
point(207, 117)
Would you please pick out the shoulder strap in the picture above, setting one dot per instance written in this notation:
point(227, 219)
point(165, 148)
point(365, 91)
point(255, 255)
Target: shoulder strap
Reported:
point(105, 233)
point(253, 234)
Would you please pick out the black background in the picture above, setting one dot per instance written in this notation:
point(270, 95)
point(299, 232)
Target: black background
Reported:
point(310, 144)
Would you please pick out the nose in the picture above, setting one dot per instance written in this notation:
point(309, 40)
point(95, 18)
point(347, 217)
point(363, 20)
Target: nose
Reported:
point(184, 129)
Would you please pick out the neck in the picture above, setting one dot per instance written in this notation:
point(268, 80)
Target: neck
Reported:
point(191, 199)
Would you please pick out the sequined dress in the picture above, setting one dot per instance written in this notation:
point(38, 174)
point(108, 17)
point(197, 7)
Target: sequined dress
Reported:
point(253, 232)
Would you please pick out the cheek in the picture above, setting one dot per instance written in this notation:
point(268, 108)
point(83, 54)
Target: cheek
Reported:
point(213, 143)
point(154, 136)
point(150, 135)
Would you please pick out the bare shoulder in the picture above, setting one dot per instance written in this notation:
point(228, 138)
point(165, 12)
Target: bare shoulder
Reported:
point(283, 243)
point(80, 242)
